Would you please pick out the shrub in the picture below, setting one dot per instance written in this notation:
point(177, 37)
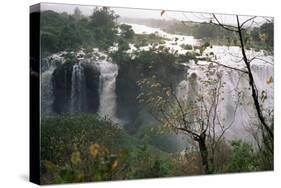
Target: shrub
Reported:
point(243, 158)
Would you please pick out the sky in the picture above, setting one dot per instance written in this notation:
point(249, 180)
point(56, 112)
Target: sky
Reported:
point(154, 14)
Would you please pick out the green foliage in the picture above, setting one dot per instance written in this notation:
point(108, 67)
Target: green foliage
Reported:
point(144, 39)
point(102, 24)
point(153, 133)
point(264, 35)
point(126, 31)
point(158, 64)
point(258, 37)
point(123, 45)
point(186, 46)
point(77, 13)
point(79, 148)
point(61, 133)
point(145, 64)
point(265, 156)
point(70, 32)
point(145, 163)
point(98, 165)
point(243, 158)
point(120, 56)
point(206, 44)
point(69, 37)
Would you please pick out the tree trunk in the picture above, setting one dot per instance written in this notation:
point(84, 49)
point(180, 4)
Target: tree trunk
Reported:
point(204, 152)
point(252, 84)
point(212, 161)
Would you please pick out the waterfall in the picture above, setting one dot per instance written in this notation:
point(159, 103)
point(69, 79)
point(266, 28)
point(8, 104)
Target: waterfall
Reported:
point(107, 85)
point(78, 97)
point(241, 115)
point(262, 74)
point(47, 97)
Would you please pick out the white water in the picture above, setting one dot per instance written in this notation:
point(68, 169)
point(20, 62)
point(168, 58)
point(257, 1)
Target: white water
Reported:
point(172, 42)
point(47, 97)
point(48, 66)
point(234, 82)
point(107, 85)
point(78, 103)
point(77, 100)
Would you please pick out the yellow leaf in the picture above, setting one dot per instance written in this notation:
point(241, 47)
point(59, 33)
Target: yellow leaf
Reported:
point(270, 80)
point(114, 165)
point(75, 157)
point(263, 37)
point(94, 150)
point(49, 166)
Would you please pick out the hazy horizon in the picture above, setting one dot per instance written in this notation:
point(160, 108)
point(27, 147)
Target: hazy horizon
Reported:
point(138, 13)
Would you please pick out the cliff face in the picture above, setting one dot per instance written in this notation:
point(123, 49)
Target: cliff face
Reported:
point(146, 65)
point(63, 87)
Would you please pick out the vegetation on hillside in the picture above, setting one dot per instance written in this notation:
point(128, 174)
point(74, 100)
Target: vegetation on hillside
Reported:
point(77, 148)
point(60, 32)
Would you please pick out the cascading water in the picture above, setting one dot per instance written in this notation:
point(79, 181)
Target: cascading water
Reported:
point(47, 97)
point(107, 85)
point(78, 97)
point(233, 109)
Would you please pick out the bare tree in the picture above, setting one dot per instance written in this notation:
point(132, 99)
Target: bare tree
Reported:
point(240, 29)
point(195, 113)
point(254, 91)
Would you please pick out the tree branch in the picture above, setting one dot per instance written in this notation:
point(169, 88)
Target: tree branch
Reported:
point(223, 65)
point(247, 21)
point(227, 27)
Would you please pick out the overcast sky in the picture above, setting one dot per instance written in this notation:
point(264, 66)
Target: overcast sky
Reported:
point(154, 14)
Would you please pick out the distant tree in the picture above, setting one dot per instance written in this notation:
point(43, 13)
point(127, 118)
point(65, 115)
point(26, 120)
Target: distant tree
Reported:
point(77, 13)
point(102, 24)
point(126, 31)
point(61, 31)
point(69, 37)
point(49, 42)
point(255, 34)
point(267, 30)
point(123, 45)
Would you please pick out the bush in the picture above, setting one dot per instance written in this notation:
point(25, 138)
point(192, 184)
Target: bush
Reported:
point(83, 147)
point(61, 133)
point(98, 165)
point(243, 158)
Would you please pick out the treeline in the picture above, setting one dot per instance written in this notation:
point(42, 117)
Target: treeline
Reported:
point(264, 34)
point(62, 31)
point(256, 37)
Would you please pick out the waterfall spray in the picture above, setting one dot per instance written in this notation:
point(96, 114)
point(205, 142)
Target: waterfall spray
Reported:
point(107, 85)
point(78, 97)
point(47, 97)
